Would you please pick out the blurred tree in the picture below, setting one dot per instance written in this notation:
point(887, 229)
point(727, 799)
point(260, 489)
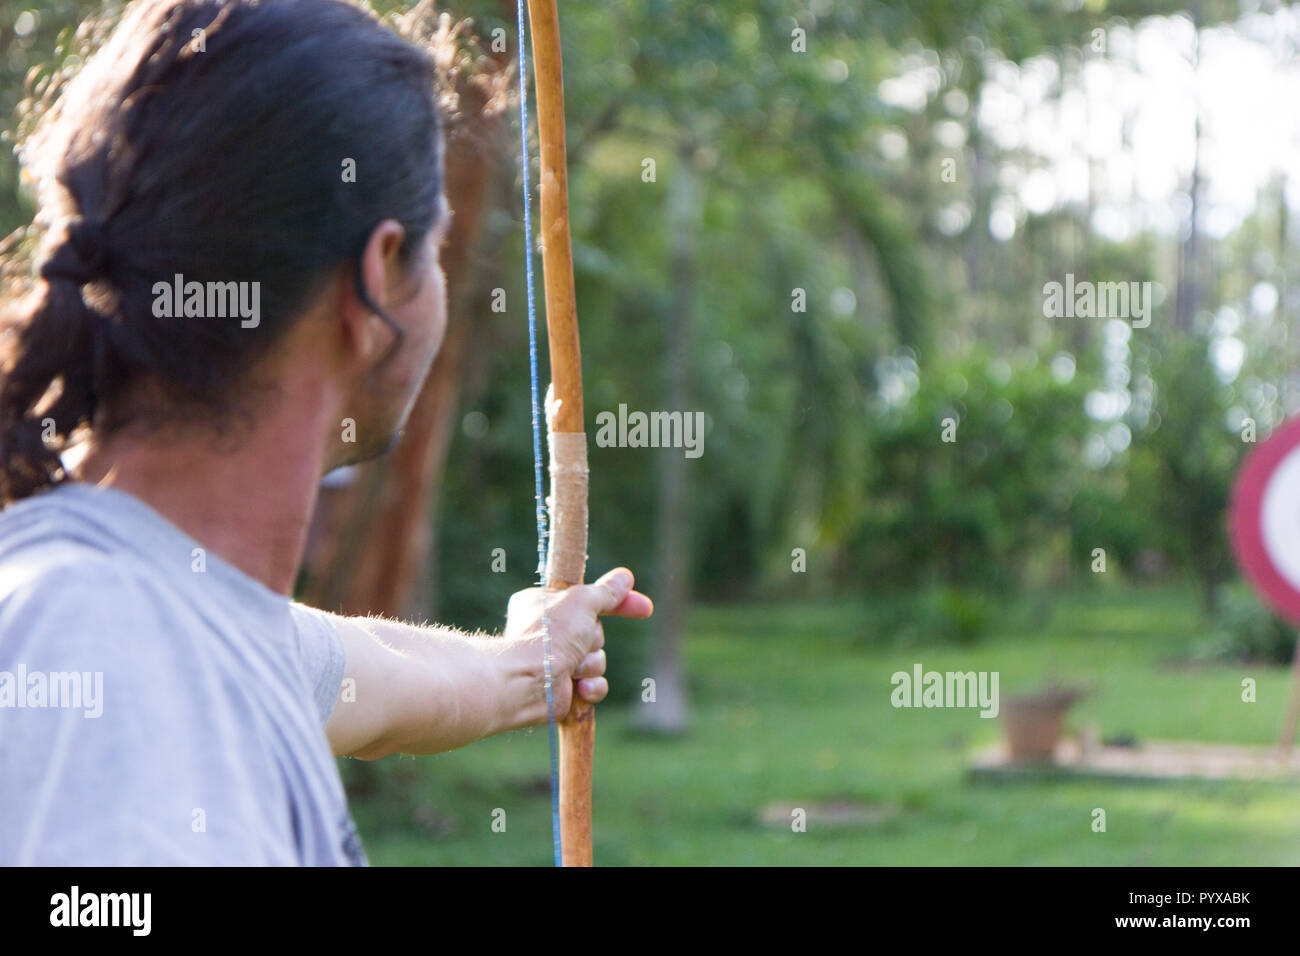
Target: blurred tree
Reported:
point(1185, 460)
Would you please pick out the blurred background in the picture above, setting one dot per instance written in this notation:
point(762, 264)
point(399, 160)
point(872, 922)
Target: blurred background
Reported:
point(827, 228)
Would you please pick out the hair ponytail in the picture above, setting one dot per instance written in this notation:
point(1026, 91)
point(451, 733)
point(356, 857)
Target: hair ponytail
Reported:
point(49, 386)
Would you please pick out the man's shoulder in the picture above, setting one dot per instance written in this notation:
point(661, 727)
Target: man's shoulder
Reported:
point(69, 536)
point(58, 582)
point(47, 569)
point(38, 560)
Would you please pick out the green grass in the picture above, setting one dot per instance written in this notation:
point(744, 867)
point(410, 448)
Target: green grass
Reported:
point(792, 703)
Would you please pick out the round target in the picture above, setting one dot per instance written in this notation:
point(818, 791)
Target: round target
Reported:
point(1265, 520)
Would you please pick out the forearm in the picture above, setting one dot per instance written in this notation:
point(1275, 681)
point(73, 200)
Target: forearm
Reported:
point(433, 689)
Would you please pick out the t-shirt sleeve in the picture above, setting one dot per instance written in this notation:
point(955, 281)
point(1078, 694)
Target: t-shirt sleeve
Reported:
point(323, 659)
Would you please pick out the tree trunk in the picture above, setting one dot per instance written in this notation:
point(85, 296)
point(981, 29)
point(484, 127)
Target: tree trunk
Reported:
point(1189, 273)
point(669, 713)
point(975, 244)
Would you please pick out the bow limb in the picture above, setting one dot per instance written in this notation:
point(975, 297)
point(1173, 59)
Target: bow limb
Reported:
point(567, 550)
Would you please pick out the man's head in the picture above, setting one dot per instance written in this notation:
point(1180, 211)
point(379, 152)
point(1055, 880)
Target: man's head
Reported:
point(239, 197)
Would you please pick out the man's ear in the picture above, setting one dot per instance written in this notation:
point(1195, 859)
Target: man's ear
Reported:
point(367, 336)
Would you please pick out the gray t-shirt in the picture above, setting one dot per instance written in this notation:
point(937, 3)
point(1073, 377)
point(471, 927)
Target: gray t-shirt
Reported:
point(157, 705)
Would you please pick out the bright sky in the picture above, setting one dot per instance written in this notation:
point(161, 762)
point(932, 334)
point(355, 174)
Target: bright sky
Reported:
point(1248, 87)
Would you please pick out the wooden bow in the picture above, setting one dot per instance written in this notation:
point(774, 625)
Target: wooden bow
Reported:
point(567, 549)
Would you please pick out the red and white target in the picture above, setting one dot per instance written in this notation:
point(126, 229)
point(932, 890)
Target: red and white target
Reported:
point(1265, 520)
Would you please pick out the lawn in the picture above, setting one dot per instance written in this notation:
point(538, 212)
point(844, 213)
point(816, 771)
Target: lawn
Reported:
point(792, 705)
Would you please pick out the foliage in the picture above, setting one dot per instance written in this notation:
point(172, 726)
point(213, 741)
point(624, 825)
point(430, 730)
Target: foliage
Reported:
point(973, 509)
point(1185, 459)
point(1245, 630)
point(930, 616)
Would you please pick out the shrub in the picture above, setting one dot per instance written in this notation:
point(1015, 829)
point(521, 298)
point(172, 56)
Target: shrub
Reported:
point(1245, 630)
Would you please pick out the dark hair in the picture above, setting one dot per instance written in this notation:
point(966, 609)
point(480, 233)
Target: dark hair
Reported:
point(206, 138)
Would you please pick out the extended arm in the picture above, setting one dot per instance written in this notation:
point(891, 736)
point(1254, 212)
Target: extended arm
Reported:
point(412, 689)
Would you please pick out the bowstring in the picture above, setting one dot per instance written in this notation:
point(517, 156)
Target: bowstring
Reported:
point(537, 439)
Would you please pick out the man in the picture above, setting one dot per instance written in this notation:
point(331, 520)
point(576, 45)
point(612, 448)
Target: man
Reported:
point(239, 291)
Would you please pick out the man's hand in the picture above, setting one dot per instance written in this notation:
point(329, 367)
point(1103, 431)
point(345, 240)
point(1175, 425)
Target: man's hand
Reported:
point(577, 637)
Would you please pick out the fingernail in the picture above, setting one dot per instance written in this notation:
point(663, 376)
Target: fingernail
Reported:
point(623, 579)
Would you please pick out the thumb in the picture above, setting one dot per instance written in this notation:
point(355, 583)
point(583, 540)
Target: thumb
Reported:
point(608, 591)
